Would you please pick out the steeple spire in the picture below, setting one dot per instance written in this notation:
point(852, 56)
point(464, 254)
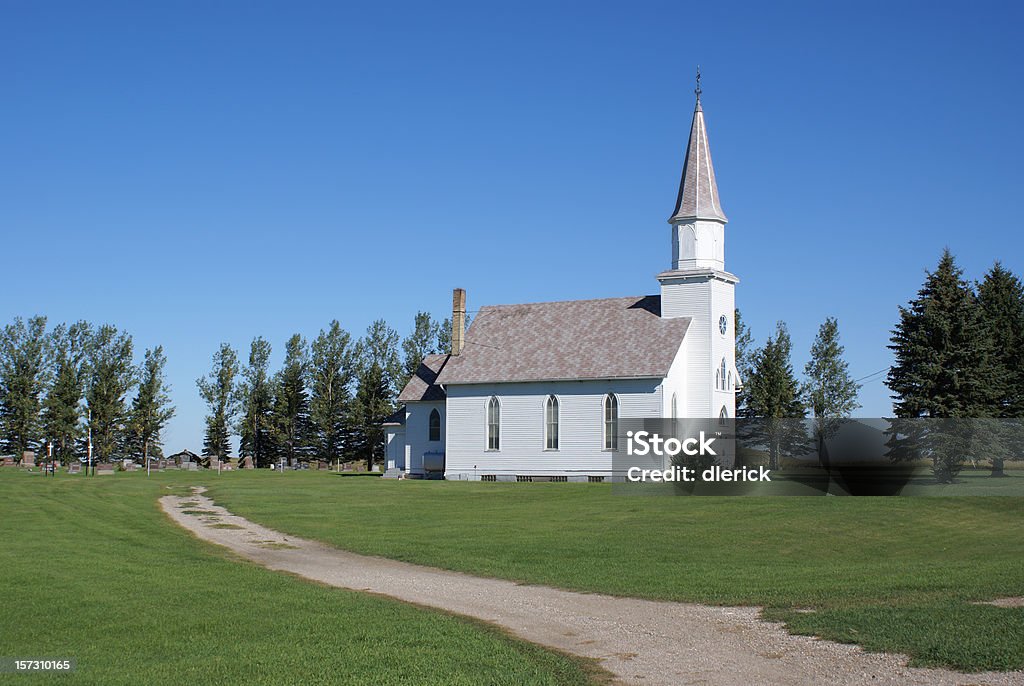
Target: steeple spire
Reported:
point(698, 192)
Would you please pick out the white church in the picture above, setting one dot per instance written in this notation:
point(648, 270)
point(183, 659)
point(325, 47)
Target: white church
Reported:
point(536, 391)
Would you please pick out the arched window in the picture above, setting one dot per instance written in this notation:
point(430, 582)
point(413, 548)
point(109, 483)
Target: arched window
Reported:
point(611, 422)
point(723, 416)
point(493, 424)
point(551, 423)
point(718, 379)
point(728, 386)
point(722, 371)
point(435, 426)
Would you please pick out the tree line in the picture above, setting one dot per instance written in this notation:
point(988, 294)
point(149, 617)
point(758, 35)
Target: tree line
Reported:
point(326, 402)
point(959, 349)
point(76, 389)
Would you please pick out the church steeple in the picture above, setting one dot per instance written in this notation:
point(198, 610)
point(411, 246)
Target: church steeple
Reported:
point(698, 222)
point(698, 192)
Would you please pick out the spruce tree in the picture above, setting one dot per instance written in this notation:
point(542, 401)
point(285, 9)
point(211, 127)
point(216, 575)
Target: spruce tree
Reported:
point(23, 377)
point(1001, 297)
point(151, 408)
point(62, 408)
point(379, 371)
point(774, 397)
point(257, 404)
point(291, 403)
point(110, 377)
point(829, 391)
point(943, 370)
point(219, 392)
point(332, 371)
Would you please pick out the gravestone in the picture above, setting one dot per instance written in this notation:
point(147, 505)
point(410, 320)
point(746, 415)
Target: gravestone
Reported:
point(247, 462)
point(104, 468)
point(74, 468)
point(28, 459)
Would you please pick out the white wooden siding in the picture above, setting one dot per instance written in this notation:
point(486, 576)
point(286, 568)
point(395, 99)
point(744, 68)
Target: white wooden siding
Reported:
point(581, 426)
point(417, 433)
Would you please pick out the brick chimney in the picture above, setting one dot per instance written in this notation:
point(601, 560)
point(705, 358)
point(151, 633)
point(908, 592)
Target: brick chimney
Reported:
point(458, 320)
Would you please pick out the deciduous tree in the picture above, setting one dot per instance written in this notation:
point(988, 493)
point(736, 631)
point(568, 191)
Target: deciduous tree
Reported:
point(151, 408)
point(110, 377)
point(62, 408)
point(23, 377)
point(218, 390)
point(829, 391)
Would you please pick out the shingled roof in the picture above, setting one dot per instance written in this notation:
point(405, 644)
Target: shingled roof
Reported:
point(422, 385)
point(698, 191)
point(614, 338)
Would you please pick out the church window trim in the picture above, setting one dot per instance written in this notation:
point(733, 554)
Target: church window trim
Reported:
point(434, 426)
point(551, 423)
point(493, 424)
point(611, 422)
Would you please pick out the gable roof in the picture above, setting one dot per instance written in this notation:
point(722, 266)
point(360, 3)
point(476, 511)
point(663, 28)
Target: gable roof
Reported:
point(422, 385)
point(698, 191)
point(612, 338)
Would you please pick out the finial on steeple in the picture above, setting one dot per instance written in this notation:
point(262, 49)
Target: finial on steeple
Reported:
point(697, 89)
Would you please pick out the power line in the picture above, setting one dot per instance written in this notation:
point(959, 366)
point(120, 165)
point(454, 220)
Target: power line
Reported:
point(864, 378)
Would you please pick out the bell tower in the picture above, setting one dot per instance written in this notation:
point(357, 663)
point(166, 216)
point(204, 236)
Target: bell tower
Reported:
point(697, 286)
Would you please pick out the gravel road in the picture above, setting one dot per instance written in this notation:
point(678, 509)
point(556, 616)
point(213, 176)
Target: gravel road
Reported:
point(639, 641)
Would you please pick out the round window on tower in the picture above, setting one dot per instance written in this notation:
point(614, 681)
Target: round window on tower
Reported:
point(723, 324)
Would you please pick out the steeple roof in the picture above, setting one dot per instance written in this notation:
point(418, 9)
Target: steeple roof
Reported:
point(698, 192)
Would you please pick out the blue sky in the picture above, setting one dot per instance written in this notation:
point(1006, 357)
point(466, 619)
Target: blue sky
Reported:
point(198, 172)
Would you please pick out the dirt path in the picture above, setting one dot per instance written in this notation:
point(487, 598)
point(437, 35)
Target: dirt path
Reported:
point(640, 641)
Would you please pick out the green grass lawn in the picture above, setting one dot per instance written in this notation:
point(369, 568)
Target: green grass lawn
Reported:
point(92, 570)
point(894, 574)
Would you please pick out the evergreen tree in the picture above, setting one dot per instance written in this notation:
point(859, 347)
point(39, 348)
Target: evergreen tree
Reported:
point(218, 390)
point(774, 397)
point(257, 396)
point(331, 375)
point(62, 408)
point(943, 369)
point(373, 403)
point(291, 404)
point(379, 371)
point(23, 377)
point(151, 409)
point(418, 344)
point(829, 392)
point(1001, 297)
point(110, 376)
point(744, 362)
